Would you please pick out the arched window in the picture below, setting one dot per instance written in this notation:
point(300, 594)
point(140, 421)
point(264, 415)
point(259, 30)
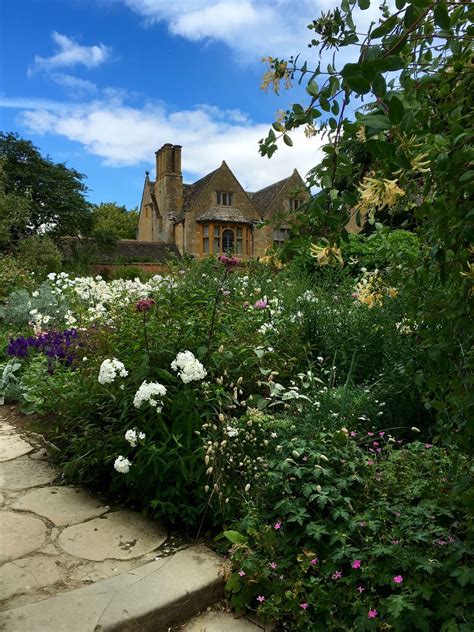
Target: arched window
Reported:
point(227, 240)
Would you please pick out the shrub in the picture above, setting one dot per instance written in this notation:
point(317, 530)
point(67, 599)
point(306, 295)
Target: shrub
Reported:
point(39, 253)
point(334, 535)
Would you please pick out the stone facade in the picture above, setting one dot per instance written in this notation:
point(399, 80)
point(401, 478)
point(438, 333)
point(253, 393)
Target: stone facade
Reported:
point(215, 215)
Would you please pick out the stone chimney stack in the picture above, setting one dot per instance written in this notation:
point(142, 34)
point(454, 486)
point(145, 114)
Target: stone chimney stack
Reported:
point(169, 188)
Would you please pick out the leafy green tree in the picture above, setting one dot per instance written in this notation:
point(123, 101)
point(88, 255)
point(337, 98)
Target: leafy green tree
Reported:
point(14, 212)
point(55, 193)
point(407, 101)
point(115, 220)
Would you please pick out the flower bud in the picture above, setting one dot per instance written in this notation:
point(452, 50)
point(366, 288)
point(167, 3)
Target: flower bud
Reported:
point(414, 429)
point(206, 459)
point(323, 457)
point(221, 417)
point(247, 487)
point(319, 489)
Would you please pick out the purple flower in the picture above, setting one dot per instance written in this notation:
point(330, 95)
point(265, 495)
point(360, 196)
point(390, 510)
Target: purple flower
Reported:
point(398, 579)
point(304, 605)
point(144, 304)
point(260, 304)
point(356, 563)
point(261, 598)
point(314, 561)
point(336, 575)
point(277, 525)
point(372, 614)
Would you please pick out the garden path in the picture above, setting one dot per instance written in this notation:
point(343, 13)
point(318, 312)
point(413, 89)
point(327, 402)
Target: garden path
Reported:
point(70, 561)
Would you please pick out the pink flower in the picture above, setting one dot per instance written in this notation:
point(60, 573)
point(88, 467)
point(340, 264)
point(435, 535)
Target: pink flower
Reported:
point(304, 605)
point(314, 561)
point(260, 304)
point(381, 434)
point(336, 575)
point(144, 304)
point(261, 598)
point(273, 565)
point(353, 433)
point(277, 525)
point(371, 434)
point(360, 589)
point(376, 444)
point(398, 579)
point(225, 292)
point(229, 262)
point(370, 462)
point(242, 573)
point(395, 541)
point(428, 445)
point(356, 564)
point(372, 614)
point(355, 295)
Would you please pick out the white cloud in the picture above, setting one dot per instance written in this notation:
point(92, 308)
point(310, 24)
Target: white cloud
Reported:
point(70, 53)
point(75, 86)
point(251, 28)
point(125, 136)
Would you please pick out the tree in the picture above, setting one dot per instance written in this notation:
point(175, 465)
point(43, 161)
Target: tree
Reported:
point(115, 220)
point(55, 193)
point(407, 100)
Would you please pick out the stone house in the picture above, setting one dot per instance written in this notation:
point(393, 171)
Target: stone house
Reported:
point(215, 215)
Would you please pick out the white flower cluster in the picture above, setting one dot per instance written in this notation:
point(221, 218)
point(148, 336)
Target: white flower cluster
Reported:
point(150, 392)
point(308, 296)
point(132, 436)
point(122, 465)
point(188, 367)
point(109, 369)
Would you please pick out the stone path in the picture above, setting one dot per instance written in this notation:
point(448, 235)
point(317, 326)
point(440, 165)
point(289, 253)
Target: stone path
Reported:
point(70, 562)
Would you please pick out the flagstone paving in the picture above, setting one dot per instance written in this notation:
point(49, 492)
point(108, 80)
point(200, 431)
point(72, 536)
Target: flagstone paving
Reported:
point(71, 561)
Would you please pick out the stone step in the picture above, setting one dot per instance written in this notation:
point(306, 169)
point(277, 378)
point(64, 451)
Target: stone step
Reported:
point(150, 598)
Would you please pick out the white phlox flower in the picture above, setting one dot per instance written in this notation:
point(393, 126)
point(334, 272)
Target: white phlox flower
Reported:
point(152, 393)
point(188, 367)
point(122, 465)
point(110, 369)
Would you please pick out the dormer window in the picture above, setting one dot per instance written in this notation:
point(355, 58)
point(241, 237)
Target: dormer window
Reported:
point(294, 203)
point(224, 198)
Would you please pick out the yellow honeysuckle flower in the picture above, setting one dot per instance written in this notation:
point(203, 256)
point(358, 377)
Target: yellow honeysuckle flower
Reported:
point(377, 194)
point(327, 255)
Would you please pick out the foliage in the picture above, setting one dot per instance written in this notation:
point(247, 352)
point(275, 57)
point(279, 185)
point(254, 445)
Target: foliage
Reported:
point(115, 220)
point(410, 92)
point(14, 212)
point(335, 538)
point(39, 253)
point(54, 193)
point(13, 275)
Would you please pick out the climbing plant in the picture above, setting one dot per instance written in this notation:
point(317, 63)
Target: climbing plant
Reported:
point(395, 123)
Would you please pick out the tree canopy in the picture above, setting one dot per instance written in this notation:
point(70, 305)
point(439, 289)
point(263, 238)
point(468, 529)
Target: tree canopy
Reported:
point(50, 195)
point(117, 221)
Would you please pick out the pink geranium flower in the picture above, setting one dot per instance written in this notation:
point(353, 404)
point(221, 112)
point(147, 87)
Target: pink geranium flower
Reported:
point(261, 598)
point(260, 304)
point(273, 565)
point(314, 561)
point(360, 589)
point(304, 605)
point(356, 563)
point(398, 579)
point(277, 525)
point(372, 614)
point(242, 573)
point(336, 575)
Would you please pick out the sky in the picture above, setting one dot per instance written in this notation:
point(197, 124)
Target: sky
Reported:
point(102, 84)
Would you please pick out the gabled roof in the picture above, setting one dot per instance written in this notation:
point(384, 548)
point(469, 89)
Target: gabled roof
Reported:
point(263, 198)
point(192, 191)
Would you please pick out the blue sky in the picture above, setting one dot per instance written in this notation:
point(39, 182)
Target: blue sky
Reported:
point(102, 84)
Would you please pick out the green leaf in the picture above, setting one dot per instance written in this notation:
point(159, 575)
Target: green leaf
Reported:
point(400, 4)
point(359, 84)
point(466, 176)
point(234, 537)
point(351, 70)
point(379, 86)
point(388, 64)
point(395, 110)
point(384, 28)
point(441, 16)
point(312, 88)
point(363, 4)
point(377, 121)
point(287, 140)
